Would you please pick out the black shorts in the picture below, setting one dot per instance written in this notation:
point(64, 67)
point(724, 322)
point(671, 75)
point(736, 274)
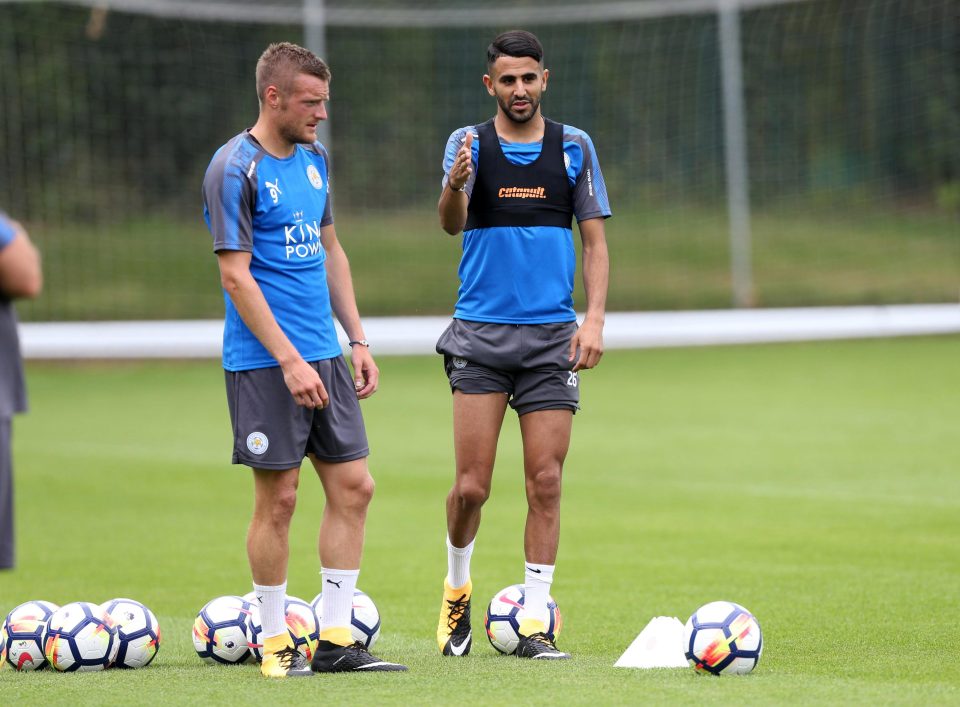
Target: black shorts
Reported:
point(528, 362)
point(270, 431)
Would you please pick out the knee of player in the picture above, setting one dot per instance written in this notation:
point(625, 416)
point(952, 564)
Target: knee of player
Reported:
point(361, 491)
point(543, 486)
point(283, 505)
point(470, 493)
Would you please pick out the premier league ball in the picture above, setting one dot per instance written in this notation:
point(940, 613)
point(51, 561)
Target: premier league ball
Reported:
point(138, 631)
point(503, 628)
point(302, 627)
point(364, 620)
point(219, 632)
point(722, 638)
point(24, 627)
point(81, 637)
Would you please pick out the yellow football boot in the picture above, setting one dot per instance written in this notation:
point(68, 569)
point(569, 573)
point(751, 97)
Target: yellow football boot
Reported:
point(454, 636)
point(281, 660)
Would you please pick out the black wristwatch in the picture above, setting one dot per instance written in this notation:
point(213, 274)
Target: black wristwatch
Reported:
point(362, 342)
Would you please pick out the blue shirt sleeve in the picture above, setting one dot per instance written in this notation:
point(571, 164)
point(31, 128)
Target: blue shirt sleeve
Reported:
point(7, 231)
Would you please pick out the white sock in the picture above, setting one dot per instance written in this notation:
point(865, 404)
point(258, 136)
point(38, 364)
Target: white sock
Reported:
point(458, 564)
point(272, 603)
point(336, 602)
point(536, 589)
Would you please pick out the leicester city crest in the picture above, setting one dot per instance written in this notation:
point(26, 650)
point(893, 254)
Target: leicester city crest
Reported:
point(313, 175)
point(257, 442)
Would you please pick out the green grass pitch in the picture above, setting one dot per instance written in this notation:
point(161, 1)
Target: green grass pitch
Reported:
point(816, 484)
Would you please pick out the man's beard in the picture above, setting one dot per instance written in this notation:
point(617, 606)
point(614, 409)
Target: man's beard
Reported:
point(295, 134)
point(534, 105)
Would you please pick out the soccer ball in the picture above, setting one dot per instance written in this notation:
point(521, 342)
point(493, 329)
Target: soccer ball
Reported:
point(24, 628)
point(364, 619)
point(138, 631)
point(81, 636)
point(722, 638)
point(301, 625)
point(503, 627)
point(219, 632)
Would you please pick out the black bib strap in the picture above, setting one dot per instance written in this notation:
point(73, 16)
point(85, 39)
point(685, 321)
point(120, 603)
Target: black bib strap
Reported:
point(507, 194)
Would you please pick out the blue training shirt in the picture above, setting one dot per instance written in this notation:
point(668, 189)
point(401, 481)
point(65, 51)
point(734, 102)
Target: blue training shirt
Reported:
point(274, 209)
point(525, 275)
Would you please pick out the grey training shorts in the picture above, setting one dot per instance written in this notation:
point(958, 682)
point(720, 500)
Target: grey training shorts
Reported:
point(270, 431)
point(7, 554)
point(528, 362)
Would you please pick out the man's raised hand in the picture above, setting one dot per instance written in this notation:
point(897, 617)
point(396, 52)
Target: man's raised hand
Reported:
point(462, 165)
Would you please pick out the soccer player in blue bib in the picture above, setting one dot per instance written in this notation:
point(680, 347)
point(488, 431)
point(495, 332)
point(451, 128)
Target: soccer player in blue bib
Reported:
point(20, 276)
point(513, 185)
point(266, 197)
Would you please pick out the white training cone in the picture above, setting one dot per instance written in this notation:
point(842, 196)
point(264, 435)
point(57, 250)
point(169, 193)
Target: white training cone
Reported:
point(659, 645)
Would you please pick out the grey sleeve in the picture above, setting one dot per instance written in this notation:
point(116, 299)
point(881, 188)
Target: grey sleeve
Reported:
point(327, 218)
point(229, 198)
point(589, 190)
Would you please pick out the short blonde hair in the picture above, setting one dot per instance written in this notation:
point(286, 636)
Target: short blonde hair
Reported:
point(282, 61)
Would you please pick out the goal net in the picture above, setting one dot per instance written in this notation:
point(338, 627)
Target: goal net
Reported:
point(112, 111)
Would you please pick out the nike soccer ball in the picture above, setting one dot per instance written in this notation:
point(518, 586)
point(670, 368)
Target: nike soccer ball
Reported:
point(364, 619)
point(81, 636)
point(24, 627)
point(503, 627)
point(722, 638)
point(302, 627)
point(138, 631)
point(220, 630)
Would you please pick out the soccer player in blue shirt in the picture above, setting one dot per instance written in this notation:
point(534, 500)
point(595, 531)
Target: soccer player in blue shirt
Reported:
point(20, 276)
point(266, 198)
point(513, 185)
